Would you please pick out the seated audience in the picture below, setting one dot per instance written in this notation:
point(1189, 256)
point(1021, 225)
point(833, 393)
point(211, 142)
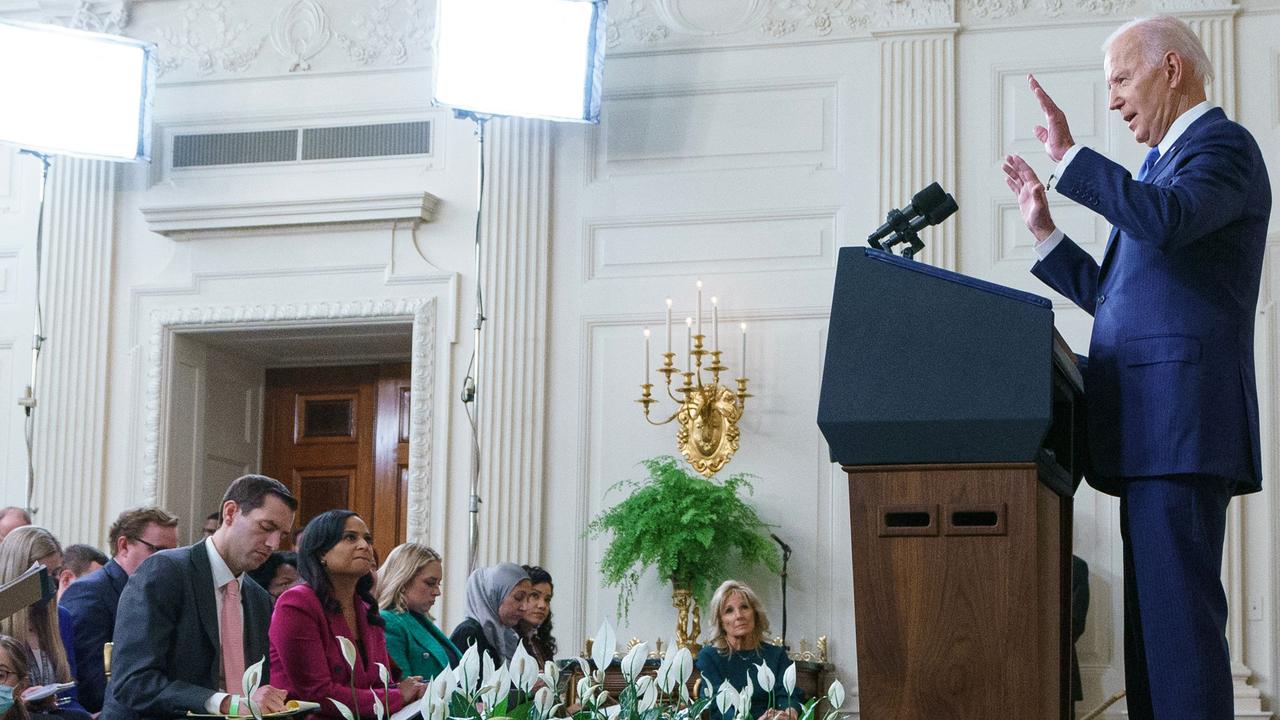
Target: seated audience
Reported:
point(48, 630)
point(735, 649)
point(78, 561)
point(336, 563)
point(409, 583)
point(136, 534)
point(14, 680)
point(278, 573)
point(189, 622)
point(496, 598)
point(211, 523)
point(11, 518)
point(535, 628)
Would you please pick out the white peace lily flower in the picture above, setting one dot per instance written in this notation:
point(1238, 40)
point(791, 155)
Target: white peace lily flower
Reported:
point(496, 686)
point(252, 678)
point(487, 669)
point(765, 675)
point(643, 683)
point(684, 665)
point(666, 670)
point(440, 711)
point(343, 710)
point(585, 667)
point(633, 663)
point(789, 679)
point(383, 674)
point(726, 697)
point(598, 676)
point(835, 694)
point(348, 651)
point(523, 669)
point(443, 685)
point(601, 698)
point(611, 712)
point(469, 670)
point(542, 701)
point(584, 687)
point(378, 711)
point(550, 674)
point(648, 696)
point(603, 646)
point(744, 700)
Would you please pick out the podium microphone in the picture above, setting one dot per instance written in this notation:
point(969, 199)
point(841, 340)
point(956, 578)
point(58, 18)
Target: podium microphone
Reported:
point(921, 203)
point(939, 212)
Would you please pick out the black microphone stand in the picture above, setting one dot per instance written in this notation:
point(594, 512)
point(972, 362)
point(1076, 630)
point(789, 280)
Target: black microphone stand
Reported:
point(786, 556)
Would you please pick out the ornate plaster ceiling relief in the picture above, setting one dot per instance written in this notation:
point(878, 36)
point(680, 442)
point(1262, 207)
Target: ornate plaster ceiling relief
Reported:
point(894, 14)
point(709, 17)
point(819, 18)
point(208, 39)
point(300, 32)
point(389, 33)
point(1172, 6)
point(106, 16)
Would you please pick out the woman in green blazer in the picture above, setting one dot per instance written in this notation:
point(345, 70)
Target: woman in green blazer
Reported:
point(409, 585)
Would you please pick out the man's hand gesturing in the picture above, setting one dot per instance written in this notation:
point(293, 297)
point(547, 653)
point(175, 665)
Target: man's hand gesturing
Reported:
point(1055, 134)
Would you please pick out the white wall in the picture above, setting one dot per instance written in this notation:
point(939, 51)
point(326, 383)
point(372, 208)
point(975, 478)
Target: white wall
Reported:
point(743, 143)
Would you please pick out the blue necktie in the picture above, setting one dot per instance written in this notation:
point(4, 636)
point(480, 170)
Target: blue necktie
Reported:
point(1153, 156)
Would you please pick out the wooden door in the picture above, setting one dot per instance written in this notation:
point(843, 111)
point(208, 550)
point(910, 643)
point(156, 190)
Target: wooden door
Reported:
point(339, 438)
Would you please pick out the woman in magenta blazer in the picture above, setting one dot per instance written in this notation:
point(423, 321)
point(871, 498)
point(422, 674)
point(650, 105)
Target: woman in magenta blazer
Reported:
point(336, 561)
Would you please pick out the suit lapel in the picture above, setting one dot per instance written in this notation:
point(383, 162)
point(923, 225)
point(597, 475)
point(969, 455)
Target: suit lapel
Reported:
point(202, 586)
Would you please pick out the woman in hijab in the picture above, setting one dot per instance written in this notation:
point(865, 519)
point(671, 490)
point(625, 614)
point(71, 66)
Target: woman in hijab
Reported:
point(496, 598)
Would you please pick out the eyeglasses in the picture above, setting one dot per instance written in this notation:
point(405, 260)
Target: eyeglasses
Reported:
point(153, 548)
point(6, 673)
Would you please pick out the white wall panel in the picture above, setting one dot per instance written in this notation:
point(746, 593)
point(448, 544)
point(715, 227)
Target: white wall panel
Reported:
point(790, 239)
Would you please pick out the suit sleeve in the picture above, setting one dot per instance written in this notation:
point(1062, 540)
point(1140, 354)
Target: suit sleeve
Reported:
point(1072, 272)
point(92, 630)
point(1206, 192)
point(151, 607)
point(299, 636)
point(67, 630)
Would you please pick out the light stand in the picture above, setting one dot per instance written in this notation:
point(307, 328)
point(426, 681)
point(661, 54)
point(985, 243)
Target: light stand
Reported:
point(28, 400)
point(471, 384)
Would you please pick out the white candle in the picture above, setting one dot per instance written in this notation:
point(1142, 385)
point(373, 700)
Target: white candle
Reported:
point(742, 371)
point(715, 323)
point(699, 313)
point(668, 325)
point(646, 355)
point(688, 325)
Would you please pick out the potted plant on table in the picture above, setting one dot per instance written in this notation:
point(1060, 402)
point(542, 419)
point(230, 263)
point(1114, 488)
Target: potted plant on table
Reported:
point(688, 528)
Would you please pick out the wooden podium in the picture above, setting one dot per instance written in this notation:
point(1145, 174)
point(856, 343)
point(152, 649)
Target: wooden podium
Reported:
point(958, 426)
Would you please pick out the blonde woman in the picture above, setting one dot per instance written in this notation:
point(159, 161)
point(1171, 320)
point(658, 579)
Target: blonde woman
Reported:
point(44, 629)
point(408, 585)
point(737, 648)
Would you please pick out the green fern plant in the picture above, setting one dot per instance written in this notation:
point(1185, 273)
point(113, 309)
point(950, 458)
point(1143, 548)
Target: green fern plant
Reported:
point(686, 526)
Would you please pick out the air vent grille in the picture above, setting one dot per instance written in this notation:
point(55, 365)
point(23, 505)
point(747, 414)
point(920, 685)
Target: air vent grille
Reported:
point(325, 143)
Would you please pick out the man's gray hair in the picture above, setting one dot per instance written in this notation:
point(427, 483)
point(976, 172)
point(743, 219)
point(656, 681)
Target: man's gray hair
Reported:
point(1165, 33)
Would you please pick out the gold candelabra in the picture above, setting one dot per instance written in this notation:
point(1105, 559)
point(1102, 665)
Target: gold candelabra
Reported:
point(707, 413)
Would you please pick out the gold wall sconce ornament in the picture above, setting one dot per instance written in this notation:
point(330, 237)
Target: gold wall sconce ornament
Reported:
point(707, 412)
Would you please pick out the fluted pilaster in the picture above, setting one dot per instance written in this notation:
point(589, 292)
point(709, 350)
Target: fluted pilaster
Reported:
point(917, 125)
point(515, 241)
point(72, 380)
point(1217, 33)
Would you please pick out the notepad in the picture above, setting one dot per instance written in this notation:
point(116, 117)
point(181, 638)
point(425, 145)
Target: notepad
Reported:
point(292, 707)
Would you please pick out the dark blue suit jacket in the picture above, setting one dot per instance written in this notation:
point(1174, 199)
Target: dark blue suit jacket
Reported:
point(167, 654)
point(1170, 379)
point(92, 601)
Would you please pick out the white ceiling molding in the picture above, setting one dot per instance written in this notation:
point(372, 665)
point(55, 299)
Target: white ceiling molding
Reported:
point(191, 222)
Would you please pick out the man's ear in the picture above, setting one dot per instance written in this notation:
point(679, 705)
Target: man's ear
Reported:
point(1174, 69)
point(230, 509)
point(65, 578)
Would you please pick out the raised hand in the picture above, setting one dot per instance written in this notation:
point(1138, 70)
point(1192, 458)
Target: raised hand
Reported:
point(1032, 203)
point(1055, 134)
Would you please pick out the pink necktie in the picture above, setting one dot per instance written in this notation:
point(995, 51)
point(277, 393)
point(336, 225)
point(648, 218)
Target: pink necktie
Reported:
point(231, 630)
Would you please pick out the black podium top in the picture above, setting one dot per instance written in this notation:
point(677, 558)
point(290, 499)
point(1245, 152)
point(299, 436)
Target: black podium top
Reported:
point(925, 365)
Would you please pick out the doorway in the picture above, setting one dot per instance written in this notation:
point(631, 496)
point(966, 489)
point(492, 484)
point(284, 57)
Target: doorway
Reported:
point(339, 438)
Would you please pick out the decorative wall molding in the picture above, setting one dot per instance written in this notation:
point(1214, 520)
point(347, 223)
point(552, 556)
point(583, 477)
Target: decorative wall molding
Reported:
point(388, 33)
point(105, 16)
point(422, 311)
point(917, 126)
point(209, 38)
point(71, 386)
point(188, 222)
point(516, 236)
point(1217, 34)
point(300, 32)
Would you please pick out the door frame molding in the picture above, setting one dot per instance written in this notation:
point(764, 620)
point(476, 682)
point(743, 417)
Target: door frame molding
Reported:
point(167, 322)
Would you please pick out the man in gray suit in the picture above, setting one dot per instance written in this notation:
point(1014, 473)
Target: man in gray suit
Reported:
point(173, 648)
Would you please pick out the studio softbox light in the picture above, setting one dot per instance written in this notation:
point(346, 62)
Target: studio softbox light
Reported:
point(70, 92)
point(527, 58)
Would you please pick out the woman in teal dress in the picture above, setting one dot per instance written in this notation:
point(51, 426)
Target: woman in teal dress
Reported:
point(409, 583)
point(735, 651)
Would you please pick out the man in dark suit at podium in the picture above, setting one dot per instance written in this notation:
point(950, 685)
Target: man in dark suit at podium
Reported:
point(1172, 400)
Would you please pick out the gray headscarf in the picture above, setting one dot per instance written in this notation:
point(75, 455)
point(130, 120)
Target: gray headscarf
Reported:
point(487, 587)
